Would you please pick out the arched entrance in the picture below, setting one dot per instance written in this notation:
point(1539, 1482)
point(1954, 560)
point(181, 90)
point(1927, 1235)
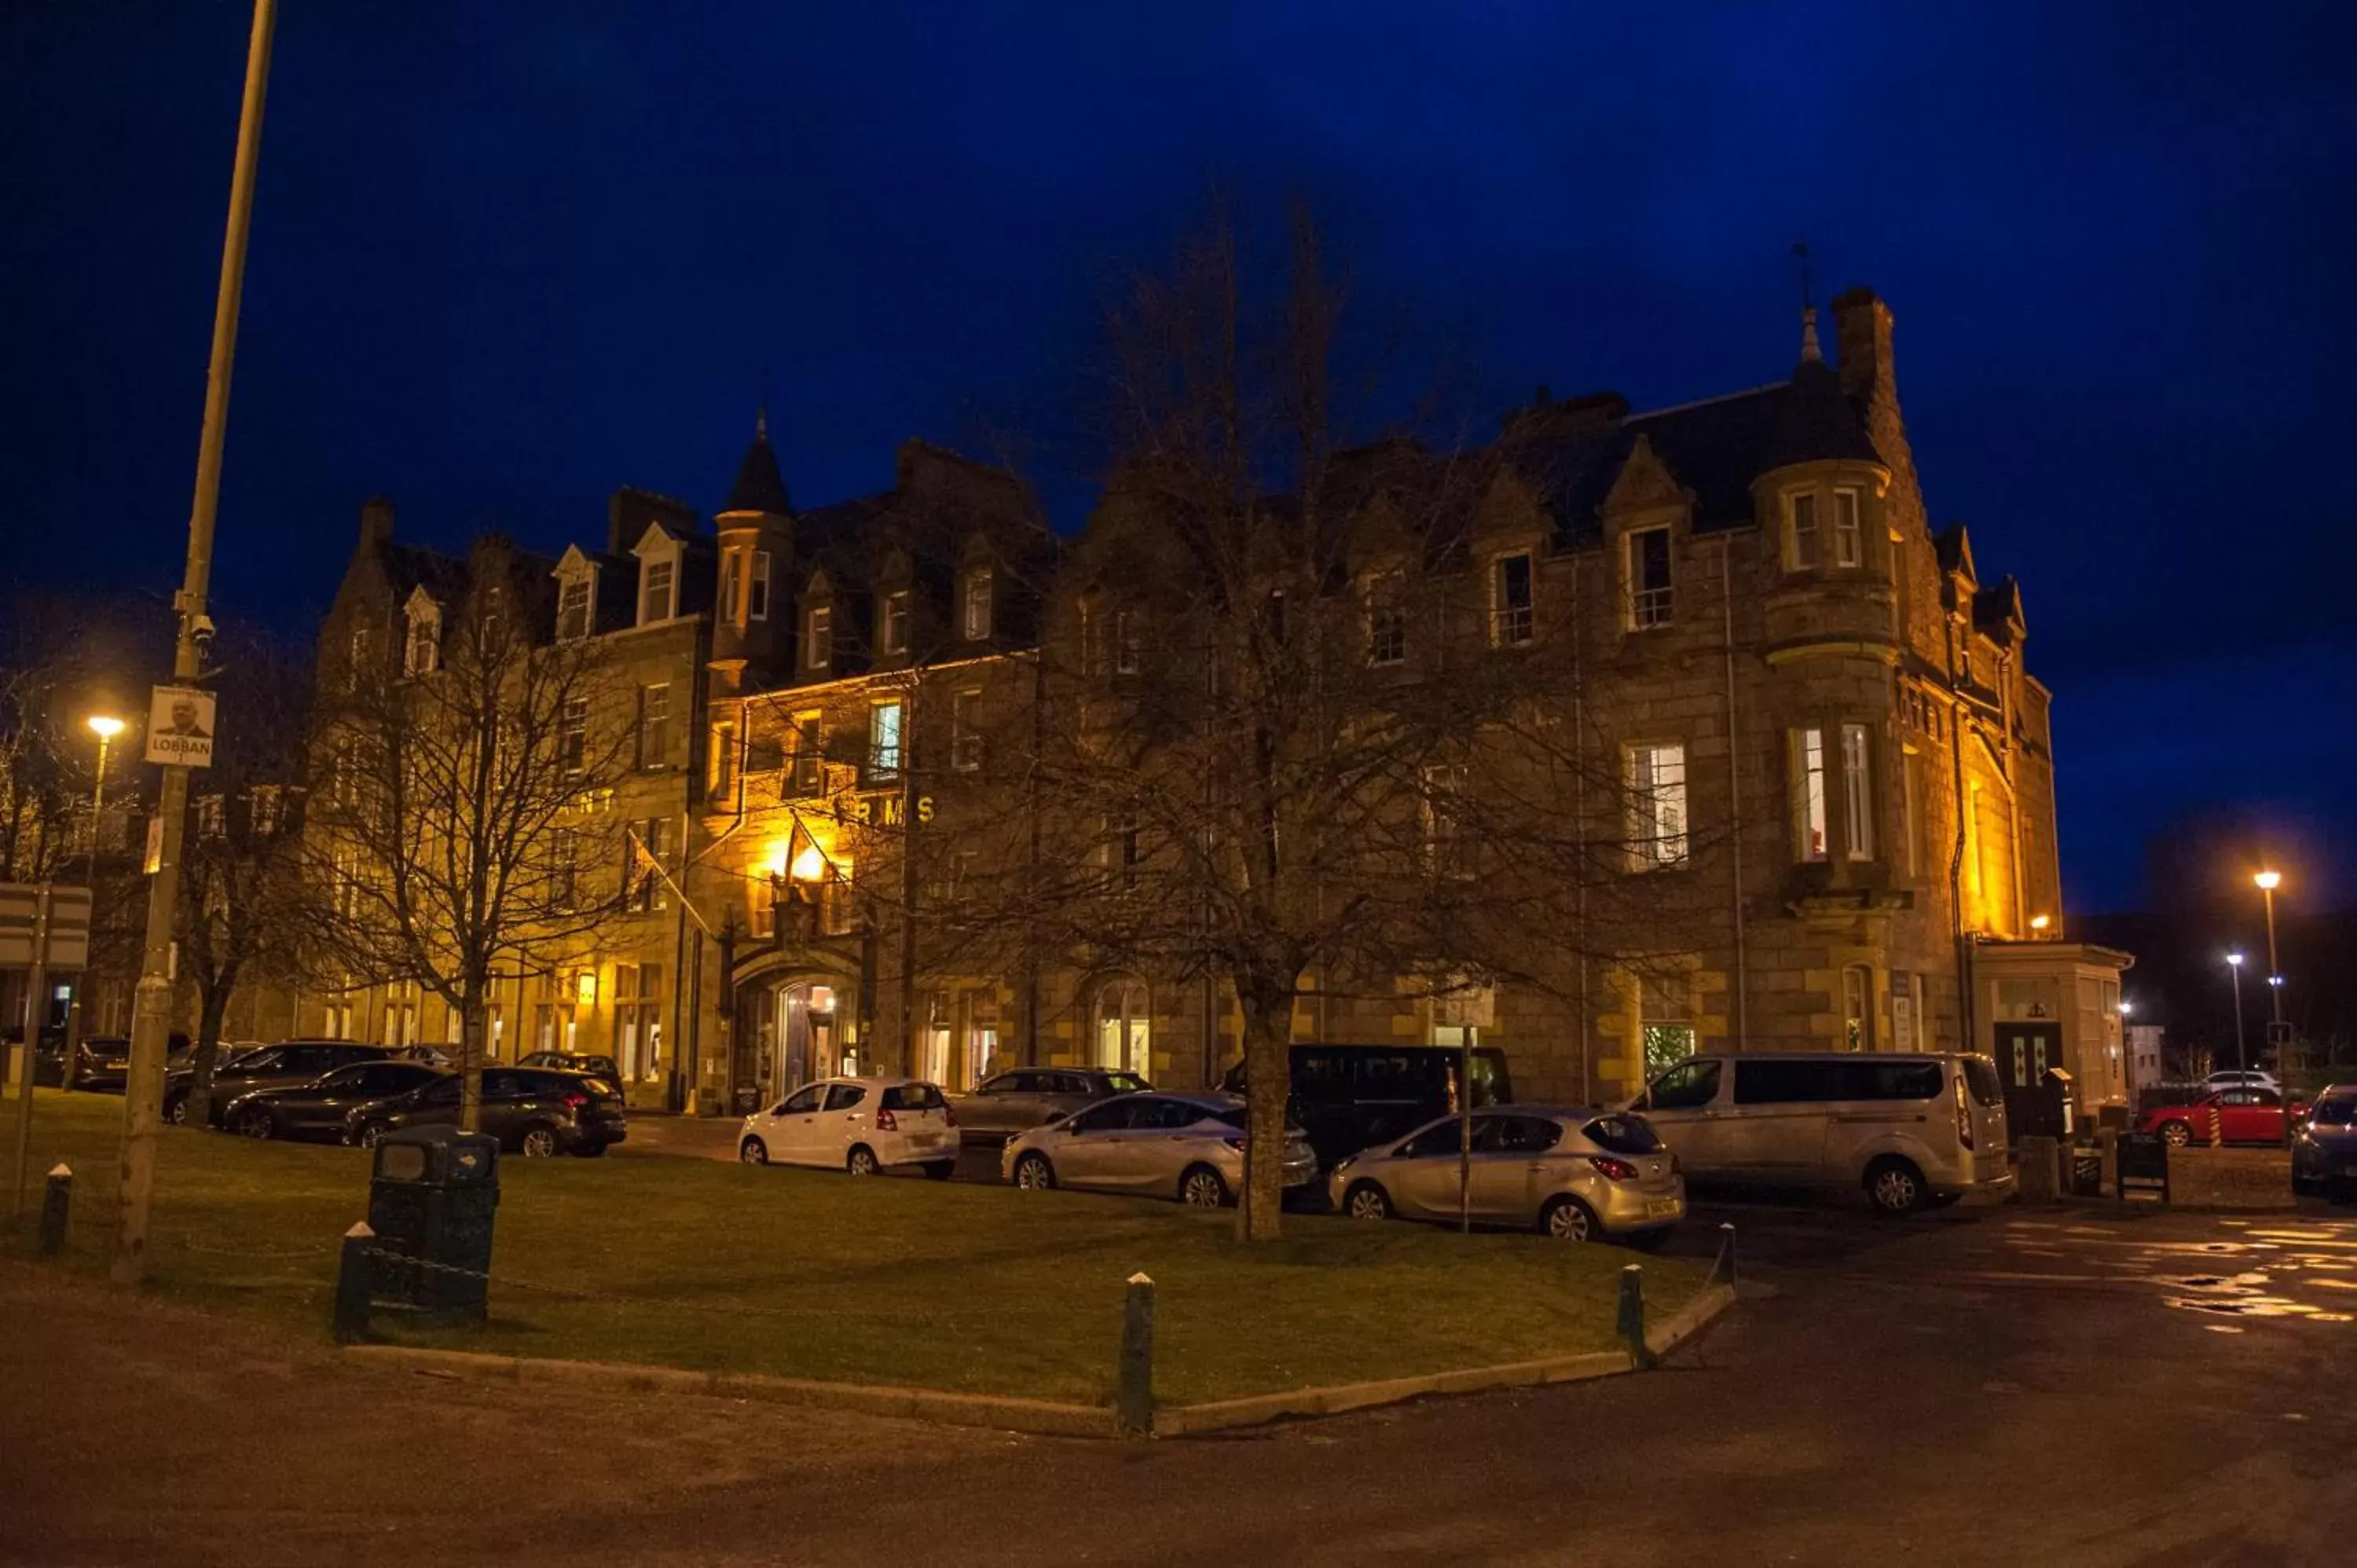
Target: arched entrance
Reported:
point(791, 1025)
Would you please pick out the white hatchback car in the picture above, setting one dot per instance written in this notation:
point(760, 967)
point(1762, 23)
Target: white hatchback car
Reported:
point(862, 1126)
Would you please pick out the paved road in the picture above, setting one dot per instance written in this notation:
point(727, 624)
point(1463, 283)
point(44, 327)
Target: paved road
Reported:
point(1988, 1388)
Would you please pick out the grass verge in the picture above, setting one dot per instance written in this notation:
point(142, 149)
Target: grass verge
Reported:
point(689, 1262)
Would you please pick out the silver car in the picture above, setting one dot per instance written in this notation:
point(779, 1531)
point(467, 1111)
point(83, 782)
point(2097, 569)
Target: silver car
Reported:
point(1573, 1174)
point(1023, 1098)
point(1189, 1147)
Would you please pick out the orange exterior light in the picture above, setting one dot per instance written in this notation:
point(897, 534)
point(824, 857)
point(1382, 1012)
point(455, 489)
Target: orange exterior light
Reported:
point(2040, 922)
point(585, 987)
point(2269, 880)
point(810, 866)
point(106, 727)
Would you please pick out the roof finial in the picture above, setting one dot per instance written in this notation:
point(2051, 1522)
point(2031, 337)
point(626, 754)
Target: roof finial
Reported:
point(1812, 352)
point(761, 423)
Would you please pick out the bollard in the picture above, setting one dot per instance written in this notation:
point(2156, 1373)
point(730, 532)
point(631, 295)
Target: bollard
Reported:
point(1722, 1269)
point(352, 1275)
point(1633, 1318)
point(1133, 1396)
point(57, 1208)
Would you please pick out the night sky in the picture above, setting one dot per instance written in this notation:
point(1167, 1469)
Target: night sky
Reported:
point(509, 256)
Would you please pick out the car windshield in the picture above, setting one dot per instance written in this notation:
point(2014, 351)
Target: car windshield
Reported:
point(2339, 1111)
point(1126, 1084)
point(1623, 1135)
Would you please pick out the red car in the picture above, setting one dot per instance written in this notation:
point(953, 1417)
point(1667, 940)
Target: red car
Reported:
point(2244, 1116)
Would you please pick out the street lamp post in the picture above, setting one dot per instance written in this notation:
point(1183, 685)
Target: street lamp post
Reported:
point(2235, 968)
point(106, 727)
point(2277, 1036)
point(151, 1016)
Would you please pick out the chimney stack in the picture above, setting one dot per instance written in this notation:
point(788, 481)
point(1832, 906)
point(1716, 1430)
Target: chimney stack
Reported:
point(376, 521)
point(1863, 325)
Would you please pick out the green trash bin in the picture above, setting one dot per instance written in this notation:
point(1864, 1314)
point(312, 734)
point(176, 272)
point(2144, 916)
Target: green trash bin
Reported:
point(433, 1197)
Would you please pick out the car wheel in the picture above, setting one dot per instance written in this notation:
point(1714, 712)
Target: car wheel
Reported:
point(253, 1121)
point(175, 1111)
point(753, 1152)
point(538, 1142)
point(861, 1161)
point(1365, 1201)
point(1894, 1186)
point(372, 1133)
point(2176, 1135)
point(1034, 1174)
point(1567, 1219)
point(940, 1170)
point(1203, 1187)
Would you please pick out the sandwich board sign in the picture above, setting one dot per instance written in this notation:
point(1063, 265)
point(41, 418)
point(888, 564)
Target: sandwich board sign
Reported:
point(45, 926)
point(180, 726)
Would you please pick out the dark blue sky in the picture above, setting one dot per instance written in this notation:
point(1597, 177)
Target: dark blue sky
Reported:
point(507, 257)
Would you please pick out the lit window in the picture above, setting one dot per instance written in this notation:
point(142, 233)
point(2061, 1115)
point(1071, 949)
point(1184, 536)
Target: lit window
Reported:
point(1665, 1018)
point(573, 609)
point(1857, 1008)
point(818, 637)
point(1849, 545)
point(1657, 790)
point(654, 602)
point(976, 621)
point(654, 726)
point(1801, 528)
point(1857, 792)
point(1509, 601)
point(896, 621)
point(756, 587)
point(1647, 567)
point(884, 738)
point(1809, 792)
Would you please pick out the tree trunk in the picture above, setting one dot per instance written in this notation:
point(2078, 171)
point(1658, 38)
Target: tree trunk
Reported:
point(472, 1021)
point(1268, 1082)
point(212, 1002)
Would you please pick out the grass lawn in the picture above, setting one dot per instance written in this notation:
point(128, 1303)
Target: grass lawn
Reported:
point(695, 1263)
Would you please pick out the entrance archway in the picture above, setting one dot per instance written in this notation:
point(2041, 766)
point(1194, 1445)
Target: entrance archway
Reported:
point(790, 1025)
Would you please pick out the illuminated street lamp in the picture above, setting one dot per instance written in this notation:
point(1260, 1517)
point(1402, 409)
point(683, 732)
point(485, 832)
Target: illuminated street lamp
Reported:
point(106, 727)
point(2278, 1033)
point(2235, 967)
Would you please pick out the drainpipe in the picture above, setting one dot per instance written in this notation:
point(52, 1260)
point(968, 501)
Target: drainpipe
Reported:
point(1956, 857)
point(1735, 797)
point(1579, 808)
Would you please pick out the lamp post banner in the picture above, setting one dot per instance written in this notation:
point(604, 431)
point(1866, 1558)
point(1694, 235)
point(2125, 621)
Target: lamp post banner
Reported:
point(180, 726)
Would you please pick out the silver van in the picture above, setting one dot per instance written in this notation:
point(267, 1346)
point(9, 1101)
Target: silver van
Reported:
point(1915, 1132)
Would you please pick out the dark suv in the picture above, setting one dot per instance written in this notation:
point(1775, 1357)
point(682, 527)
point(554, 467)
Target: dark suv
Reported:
point(531, 1110)
point(265, 1066)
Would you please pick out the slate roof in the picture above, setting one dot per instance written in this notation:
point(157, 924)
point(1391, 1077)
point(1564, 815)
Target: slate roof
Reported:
point(759, 486)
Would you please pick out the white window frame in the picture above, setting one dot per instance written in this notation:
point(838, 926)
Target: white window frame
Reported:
point(1387, 619)
point(756, 587)
point(732, 574)
point(818, 637)
point(977, 612)
point(421, 652)
point(1660, 822)
point(1128, 652)
point(1648, 607)
point(1803, 546)
point(1513, 625)
point(654, 725)
point(1857, 791)
point(584, 585)
point(965, 740)
point(888, 741)
point(1849, 529)
point(1857, 1008)
point(894, 618)
point(1812, 821)
point(667, 564)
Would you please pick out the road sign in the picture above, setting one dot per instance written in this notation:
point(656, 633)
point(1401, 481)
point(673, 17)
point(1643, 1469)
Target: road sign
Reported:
point(2278, 1033)
point(180, 726)
point(69, 926)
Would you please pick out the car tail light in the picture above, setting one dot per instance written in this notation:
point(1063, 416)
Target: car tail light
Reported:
point(1614, 1170)
point(1676, 1168)
point(1963, 1114)
point(887, 1122)
point(948, 1114)
point(574, 1099)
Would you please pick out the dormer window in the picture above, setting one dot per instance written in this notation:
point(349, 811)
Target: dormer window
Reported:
point(893, 636)
point(976, 620)
point(421, 653)
point(818, 637)
point(1801, 549)
point(1646, 563)
point(1512, 623)
point(573, 599)
point(657, 581)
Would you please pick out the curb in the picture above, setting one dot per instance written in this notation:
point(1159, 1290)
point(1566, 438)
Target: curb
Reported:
point(1045, 1417)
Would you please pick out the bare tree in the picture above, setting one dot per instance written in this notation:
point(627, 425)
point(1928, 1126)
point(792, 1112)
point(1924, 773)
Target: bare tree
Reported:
point(247, 912)
point(1284, 740)
point(459, 804)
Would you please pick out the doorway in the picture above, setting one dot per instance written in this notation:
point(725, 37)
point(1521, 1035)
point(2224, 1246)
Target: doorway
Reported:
point(801, 1031)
